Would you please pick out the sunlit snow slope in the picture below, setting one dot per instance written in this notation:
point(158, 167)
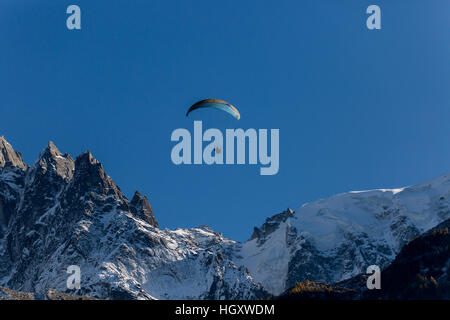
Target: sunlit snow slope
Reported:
point(336, 238)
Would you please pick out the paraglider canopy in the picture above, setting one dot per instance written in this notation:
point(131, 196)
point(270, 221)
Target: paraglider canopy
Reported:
point(215, 104)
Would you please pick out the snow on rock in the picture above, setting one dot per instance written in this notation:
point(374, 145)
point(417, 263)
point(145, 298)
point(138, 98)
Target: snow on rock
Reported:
point(63, 212)
point(337, 238)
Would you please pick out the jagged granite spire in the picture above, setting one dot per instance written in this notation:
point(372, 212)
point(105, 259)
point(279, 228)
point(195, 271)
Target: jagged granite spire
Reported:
point(142, 209)
point(52, 159)
point(12, 172)
point(89, 176)
point(10, 157)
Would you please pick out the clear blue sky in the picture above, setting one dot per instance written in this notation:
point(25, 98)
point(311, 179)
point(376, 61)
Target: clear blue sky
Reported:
point(356, 109)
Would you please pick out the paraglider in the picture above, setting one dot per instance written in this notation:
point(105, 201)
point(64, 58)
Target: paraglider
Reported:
point(235, 146)
point(215, 104)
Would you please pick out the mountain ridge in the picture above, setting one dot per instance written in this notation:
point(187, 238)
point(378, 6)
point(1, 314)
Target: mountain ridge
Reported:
point(70, 212)
point(60, 212)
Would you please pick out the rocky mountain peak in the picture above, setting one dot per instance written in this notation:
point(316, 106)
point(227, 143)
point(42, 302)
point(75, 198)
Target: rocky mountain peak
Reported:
point(271, 224)
point(9, 157)
point(89, 176)
point(86, 159)
point(52, 159)
point(142, 209)
point(48, 223)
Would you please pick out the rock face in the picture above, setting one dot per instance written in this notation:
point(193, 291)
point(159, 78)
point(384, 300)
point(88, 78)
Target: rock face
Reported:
point(61, 212)
point(9, 157)
point(142, 209)
point(270, 226)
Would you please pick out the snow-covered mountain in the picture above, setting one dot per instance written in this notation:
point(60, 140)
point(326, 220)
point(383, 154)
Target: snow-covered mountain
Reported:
point(60, 212)
point(337, 238)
